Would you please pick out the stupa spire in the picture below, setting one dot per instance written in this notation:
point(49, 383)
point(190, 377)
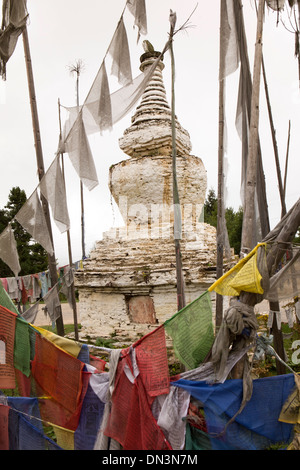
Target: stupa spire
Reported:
point(150, 132)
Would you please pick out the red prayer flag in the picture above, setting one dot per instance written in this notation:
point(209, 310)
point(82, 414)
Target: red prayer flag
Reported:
point(7, 340)
point(131, 422)
point(58, 373)
point(4, 436)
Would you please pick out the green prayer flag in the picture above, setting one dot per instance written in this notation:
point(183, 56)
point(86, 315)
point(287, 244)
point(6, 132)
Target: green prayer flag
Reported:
point(22, 347)
point(191, 330)
point(6, 301)
point(196, 439)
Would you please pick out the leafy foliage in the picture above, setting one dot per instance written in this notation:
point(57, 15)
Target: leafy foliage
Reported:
point(32, 256)
point(234, 220)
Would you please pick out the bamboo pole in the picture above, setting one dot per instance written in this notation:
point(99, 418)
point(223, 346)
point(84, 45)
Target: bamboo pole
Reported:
point(298, 40)
point(246, 87)
point(176, 200)
point(40, 167)
point(81, 185)
point(247, 241)
point(74, 306)
point(221, 214)
point(77, 67)
point(274, 306)
point(273, 132)
point(286, 158)
point(249, 211)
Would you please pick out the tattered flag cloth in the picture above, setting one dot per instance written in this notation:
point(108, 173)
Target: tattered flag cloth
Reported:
point(6, 301)
point(257, 426)
point(101, 110)
point(26, 430)
point(142, 375)
point(54, 411)
point(53, 303)
point(7, 339)
point(98, 103)
point(58, 373)
point(138, 9)
point(64, 437)
point(4, 434)
point(22, 348)
point(276, 5)
point(229, 53)
point(290, 412)
point(66, 287)
point(53, 188)
point(65, 344)
point(152, 362)
point(119, 50)
point(80, 154)
point(14, 17)
point(31, 313)
point(32, 219)
point(191, 330)
point(8, 250)
point(244, 276)
point(170, 411)
point(90, 419)
point(285, 284)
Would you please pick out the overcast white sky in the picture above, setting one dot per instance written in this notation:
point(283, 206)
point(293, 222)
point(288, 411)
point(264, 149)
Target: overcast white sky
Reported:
point(60, 32)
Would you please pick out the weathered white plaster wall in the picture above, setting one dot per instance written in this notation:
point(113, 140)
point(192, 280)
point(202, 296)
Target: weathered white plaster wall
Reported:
point(104, 313)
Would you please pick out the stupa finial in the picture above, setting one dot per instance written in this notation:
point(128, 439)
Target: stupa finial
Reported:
point(147, 46)
point(150, 132)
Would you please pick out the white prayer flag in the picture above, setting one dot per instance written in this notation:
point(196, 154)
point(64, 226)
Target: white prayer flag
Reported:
point(52, 186)
point(52, 303)
point(14, 17)
point(119, 50)
point(80, 154)
point(138, 9)
point(8, 250)
point(32, 219)
point(229, 49)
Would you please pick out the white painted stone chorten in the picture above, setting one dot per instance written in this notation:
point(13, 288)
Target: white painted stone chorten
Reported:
point(128, 285)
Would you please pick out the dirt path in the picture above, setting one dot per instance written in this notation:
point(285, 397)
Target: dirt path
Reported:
point(67, 312)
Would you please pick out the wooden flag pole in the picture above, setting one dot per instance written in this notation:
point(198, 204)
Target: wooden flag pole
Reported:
point(40, 167)
point(176, 201)
point(77, 67)
point(273, 132)
point(249, 210)
point(74, 306)
point(221, 212)
point(286, 159)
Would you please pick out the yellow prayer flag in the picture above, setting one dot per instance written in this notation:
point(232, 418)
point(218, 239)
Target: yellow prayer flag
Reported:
point(64, 437)
point(290, 412)
point(244, 276)
point(67, 345)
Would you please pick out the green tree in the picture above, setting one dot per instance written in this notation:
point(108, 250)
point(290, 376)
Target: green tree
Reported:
point(234, 220)
point(32, 256)
point(211, 208)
